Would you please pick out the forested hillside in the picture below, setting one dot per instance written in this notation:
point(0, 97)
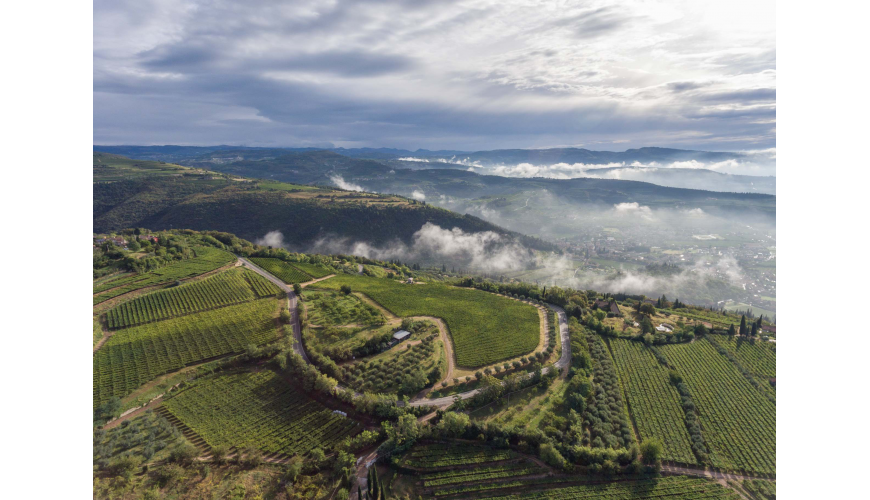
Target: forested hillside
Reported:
point(203, 200)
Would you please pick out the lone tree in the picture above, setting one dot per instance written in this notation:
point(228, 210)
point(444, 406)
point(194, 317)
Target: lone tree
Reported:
point(743, 330)
point(731, 330)
point(345, 289)
point(651, 451)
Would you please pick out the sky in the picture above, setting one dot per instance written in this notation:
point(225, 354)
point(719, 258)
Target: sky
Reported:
point(464, 75)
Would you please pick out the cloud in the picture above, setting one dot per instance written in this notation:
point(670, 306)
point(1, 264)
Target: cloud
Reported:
point(273, 239)
point(460, 75)
point(343, 184)
point(689, 283)
point(484, 251)
point(634, 209)
point(418, 195)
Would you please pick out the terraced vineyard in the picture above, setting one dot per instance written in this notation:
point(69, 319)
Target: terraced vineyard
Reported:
point(485, 328)
point(134, 356)
point(282, 270)
point(230, 287)
point(259, 410)
point(206, 259)
point(654, 402)
point(739, 422)
point(443, 455)
point(312, 270)
point(672, 487)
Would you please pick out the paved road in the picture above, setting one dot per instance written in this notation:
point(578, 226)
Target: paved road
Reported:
point(291, 304)
point(563, 362)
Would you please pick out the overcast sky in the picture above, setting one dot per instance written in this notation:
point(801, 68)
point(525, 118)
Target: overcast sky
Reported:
point(467, 75)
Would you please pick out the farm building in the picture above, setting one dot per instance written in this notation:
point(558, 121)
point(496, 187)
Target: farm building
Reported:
point(401, 335)
point(608, 306)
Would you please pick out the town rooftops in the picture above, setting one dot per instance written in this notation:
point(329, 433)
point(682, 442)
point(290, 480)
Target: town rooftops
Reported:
point(401, 335)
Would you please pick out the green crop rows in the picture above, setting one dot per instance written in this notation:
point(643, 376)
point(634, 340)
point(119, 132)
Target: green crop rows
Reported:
point(654, 402)
point(757, 356)
point(230, 287)
point(259, 410)
point(672, 487)
point(207, 259)
point(311, 269)
point(739, 422)
point(425, 457)
point(479, 474)
point(134, 356)
point(485, 328)
point(335, 308)
point(282, 270)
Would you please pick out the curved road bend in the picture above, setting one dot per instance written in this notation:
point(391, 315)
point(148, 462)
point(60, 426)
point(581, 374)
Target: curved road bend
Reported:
point(563, 362)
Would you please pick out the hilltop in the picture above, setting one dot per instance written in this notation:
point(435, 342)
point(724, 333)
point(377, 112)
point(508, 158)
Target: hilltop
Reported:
point(138, 193)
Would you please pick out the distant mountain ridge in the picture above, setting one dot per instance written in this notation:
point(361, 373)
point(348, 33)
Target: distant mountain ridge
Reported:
point(494, 157)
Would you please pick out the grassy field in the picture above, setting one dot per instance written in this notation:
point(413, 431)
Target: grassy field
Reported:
point(259, 410)
point(230, 287)
point(738, 422)
point(282, 270)
point(485, 328)
point(336, 308)
point(133, 356)
point(284, 186)
point(654, 402)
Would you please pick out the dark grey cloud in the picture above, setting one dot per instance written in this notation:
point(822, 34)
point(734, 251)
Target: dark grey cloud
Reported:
point(474, 75)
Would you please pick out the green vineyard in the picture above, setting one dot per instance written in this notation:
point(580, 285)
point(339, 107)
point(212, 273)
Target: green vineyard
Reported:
point(757, 356)
point(654, 402)
point(230, 287)
point(485, 327)
point(739, 423)
point(312, 270)
point(482, 473)
point(207, 259)
point(259, 410)
point(437, 455)
point(282, 270)
point(134, 356)
point(671, 488)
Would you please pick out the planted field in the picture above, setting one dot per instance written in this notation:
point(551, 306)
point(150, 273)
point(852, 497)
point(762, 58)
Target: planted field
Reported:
point(443, 455)
point(230, 287)
point(312, 270)
point(739, 423)
point(336, 308)
point(206, 259)
point(134, 356)
point(654, 402)
point(280, 269)
point(259, 410)
point(485, 328)
point(606, 411)
point(673, 487)
point(757, 356)
point(482, 473)
point(405, 369)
